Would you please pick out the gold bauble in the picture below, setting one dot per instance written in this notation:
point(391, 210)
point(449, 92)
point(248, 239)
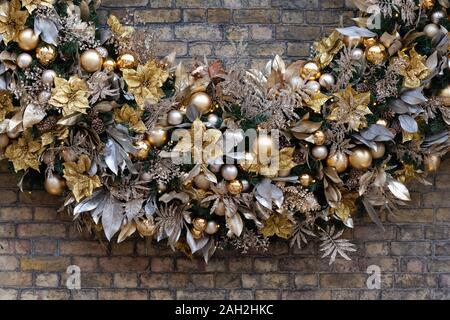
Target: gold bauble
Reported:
point(27, 39)
point(127, 61)
point(202, 182)
point(310, 71)
point(144, 148)
point(319, 138)
point(157, 137)
point(361, 158)
point(368, 42)
point(352, 41)
point(339, 161)
point(4, 140)
point(145, 227)
point(220, 209)
point(46, 54)
point(196, 234)
point(202, 102)
point(24, 60)
point(432, 163)
point(109, 65)
point(381, 150)
point(54, 185)
point(444, 96)
point(428, 4)
point(235, 187)
point(383, 122)
point(199, 224)
point(319, 152)
point(376, 54)
point(91, 60)
point(306, 180)
point(212, 227)
point(284, 173)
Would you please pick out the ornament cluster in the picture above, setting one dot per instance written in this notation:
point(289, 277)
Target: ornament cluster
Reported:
point(145, 146)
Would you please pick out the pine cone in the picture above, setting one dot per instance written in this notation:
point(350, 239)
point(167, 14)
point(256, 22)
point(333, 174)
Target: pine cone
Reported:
point(353, 180)
point(48, 124)
point(98, 126)
point(362, 87)
point(92, 115)
point(387, 114)
point(300, 154)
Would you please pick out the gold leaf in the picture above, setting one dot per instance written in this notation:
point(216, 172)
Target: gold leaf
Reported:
point(278, 225)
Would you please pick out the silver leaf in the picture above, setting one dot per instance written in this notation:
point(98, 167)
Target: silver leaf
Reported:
point(399, 190)
point(235, 224)
point(112, 217)
point(47, 29)
point(356, 32)
point(192, 113)
point(89, 203)
point(32, 115)
point(408, 123)
point(414, 96)
point(209, 249)
point(111, 156)
point(195, 245)
point(133, 208)
point(150, 207)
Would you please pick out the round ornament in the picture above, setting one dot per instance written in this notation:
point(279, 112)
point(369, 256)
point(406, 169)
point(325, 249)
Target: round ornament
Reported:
point(357, 54)
point(212, 228)
point(202, 182)
point(91, 60)
point(381, 150)
point(235, 187)
point(54, 185)
point(431, 30)
point(220, 209)
point(306, 180)
point(109, 65)
point(313, 86)
point(339, 161)
point(157, 137)
point(361, 158)
point(174, 118)
point(202, 102)
point(24, 60)
point(432, 163)
point(229, 172)
point(437, 16)
point(46, 54)
point(200, 224)
point(319, 152)
point(327, 80)
point(27, 39)
point(127, 61)
point(144, 148)
point(48, 77)
point(376, 54)
point(310, 71)
point(319, 138)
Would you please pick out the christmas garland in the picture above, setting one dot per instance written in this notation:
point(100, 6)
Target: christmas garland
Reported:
point(212, 155)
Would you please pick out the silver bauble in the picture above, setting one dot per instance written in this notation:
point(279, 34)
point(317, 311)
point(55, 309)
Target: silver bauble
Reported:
point(437, 16)
point(24, 60)
point(48, 77)
point(357, 54)
point(431, 30)
point(229, 172)
point(327, 80)
point(313, 86)
point(175, 118)
point(213, 119)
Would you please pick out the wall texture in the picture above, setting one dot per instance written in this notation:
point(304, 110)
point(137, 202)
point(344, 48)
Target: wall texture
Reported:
point(37, 244)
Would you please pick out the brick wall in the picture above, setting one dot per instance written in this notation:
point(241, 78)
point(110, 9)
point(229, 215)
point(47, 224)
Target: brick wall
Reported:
point(37, 244)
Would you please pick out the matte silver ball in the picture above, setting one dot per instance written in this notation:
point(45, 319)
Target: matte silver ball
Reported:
point(313, 86)
point(24, 60)
point(437, 16)
point(357, 54)
point(175, 118)
point(146, 176)
point(245, 185)
point(319, 152)
point(431, 30)
point(48, 77)
point(44, 96)
point(213, 119)
point(327, 80)
point(229, 172)
point(211, 228)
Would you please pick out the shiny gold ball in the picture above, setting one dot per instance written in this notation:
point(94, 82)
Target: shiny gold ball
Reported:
point(319, 138)
point(196, 234)
point(202, 182)
point(199, 224)
point(376, 54)
point(383, 122)
point(428, 4)
point(339, 161)
point(27, 39)
point(24, 60)
point(54, 185)
point(220, 209)
point(4, 140)
point(127, 61)
point(202, 102)
point(91, 60)
point(381, 150)
point(212, 228)
point(46, 54)
point(319, 152)
point(310, 71)
point(368, 42)
point(306, 180)
point(235, 187)
point(144, 148)
point(109, 65)
point(146, 227)
point(432, 163)
point(352, 41)
point(157, 137)
point(361, 158)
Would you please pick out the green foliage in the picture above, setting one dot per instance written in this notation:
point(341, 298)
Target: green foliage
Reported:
point(424, 45)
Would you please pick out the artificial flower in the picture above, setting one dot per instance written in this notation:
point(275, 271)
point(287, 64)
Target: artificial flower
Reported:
point(70, 95)
point(279, 225)
point(24, 153)
point(145, 83)
point(413, 68)
point(79, 182)
point(32, 5)
point(6, 105)
point(132, 116)
point(12, 20)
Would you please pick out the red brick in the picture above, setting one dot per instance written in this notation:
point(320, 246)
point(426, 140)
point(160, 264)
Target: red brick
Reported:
point(39, 198)
point(15, 213)
point(47, 214)
point(162, 264)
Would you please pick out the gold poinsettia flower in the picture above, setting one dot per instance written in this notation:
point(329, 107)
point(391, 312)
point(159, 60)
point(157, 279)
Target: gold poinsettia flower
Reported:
point(81, 184)
point(281, 161)
point(117, 28)
point(351, 108)
point(202, 143)
point(6, 105)
point(413, 68)
point(24, 153)
point(346, 207)
point(327, 48)
point(145, 83)
point(279, 225)
point(12, 20)
point(32, 5)
point(127, 114)
point(70, 95)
